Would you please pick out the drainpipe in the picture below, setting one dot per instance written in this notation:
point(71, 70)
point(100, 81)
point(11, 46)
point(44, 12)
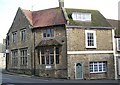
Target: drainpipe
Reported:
point(114, 51)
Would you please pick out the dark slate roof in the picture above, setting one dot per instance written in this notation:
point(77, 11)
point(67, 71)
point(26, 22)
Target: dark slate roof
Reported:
point(116, 24)
point(97, 18)
point(50, 42)
point(47, 17)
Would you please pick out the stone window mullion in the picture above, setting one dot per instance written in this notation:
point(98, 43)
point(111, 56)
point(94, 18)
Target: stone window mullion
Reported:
point(54, 56)
point(93, 68)
point(45, 59)
point(40, 57)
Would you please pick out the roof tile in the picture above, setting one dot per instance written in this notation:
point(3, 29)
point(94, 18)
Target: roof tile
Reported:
point(48, 17)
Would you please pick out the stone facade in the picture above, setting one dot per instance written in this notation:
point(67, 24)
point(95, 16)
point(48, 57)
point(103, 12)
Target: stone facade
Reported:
point(85, 59)
point(33, 38)
point(20, 22)
point(56, 70)
point(78, 34)
point(76, 43)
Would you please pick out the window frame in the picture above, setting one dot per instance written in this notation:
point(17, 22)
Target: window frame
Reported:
point(14, 37)
point(23, 34)
point(92, 65)
point(52, 33)
point(14, 54)
point(23, 57)
point(53, 56)
point(118, 66)
point(79, 16)
point(94, 38)
point(118, 44)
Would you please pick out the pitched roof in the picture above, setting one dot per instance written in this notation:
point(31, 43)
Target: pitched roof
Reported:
point(56, 16)
point(116, 24)
point(28, 15)
point(50, 42)
point(97, 18)
point(48, 17)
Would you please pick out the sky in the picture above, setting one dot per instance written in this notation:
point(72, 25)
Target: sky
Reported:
point(8, 8)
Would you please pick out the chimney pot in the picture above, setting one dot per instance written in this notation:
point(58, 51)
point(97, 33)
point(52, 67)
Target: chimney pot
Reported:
point(61, 3)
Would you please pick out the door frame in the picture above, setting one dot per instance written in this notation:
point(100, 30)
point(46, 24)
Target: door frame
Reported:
point(75, 70)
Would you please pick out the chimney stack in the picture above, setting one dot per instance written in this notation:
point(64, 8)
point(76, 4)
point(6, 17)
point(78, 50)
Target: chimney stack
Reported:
point(61, 3)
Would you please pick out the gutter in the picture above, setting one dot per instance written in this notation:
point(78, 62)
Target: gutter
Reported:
point(88, 27)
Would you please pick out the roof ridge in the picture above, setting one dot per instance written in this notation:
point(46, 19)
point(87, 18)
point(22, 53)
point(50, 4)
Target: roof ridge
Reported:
point(45, 9)
point(82, 9)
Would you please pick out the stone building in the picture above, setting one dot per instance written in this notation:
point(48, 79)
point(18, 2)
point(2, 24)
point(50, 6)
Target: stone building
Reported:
point(89, 45)
point(2, 55)
point(61, 43)
point(116, 25)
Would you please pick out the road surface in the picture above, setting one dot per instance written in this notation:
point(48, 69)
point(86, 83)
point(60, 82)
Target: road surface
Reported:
point(9, 79)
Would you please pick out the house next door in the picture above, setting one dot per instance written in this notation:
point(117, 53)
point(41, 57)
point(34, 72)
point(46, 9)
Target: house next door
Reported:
point(78, 71)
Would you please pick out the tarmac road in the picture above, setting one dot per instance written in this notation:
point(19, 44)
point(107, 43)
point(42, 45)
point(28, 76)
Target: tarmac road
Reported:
point(14, 79)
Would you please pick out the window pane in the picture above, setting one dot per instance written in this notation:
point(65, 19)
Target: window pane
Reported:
point(92, 43)
point(57, 50)
point(48, 54)
point(23, 55)
point(43, 59)
point(52, 59)
point(91, 67)
point(81, 16)
point(47, 59)
point(51, 50)
point(100, 67)
point(44, 33)
point(14, 36)
point(26, 60)
point(14, 58)
point(48, 33)
point(104, 66)
point(52, 33)
point(23, 35)
point(95, 67)
point(57, 59)
point(119, 44)
point(42, 51)
point(90, 39)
